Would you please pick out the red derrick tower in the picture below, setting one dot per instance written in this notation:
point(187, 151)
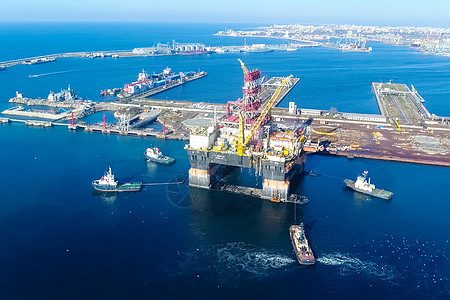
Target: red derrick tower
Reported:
point(250, 103)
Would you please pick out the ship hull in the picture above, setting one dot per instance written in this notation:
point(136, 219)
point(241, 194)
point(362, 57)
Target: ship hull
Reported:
point(307, 260)
point(127, 187)
point(39, 61)
point(375, 193)
point(167, 162)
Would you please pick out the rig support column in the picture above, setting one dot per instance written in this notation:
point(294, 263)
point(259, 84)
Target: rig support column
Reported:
point(276, 189)
point(277, 177)
point(202, 172)
point(276, 180)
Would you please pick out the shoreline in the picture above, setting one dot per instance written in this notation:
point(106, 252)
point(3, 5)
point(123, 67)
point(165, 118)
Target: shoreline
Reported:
point(385, 158)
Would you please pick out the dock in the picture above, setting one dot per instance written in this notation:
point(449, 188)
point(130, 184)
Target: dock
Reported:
point(52, 57)
point(45, 102)
point(52, 115)
point(404, 131)
point(340, 137)
point(49, 115)
point(145, 118)
point(382, 142)
point(398, 102)
point(39, 123)
point(167, 86)
point(4, 120)
point(269, 87)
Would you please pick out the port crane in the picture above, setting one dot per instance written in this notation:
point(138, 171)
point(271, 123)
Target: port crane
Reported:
point(241, 143)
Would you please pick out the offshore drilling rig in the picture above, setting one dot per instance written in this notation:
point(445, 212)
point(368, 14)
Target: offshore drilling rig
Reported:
point(247, 137)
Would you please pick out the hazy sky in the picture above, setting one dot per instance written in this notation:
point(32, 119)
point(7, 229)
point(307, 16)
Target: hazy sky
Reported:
point(376, 12)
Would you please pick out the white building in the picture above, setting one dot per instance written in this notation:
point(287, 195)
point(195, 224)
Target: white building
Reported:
point(310, 112)
point(293, 108)
point(364, 117)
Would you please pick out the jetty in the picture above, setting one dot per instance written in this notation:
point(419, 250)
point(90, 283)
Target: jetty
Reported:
point(404, 130)
point(165, 87)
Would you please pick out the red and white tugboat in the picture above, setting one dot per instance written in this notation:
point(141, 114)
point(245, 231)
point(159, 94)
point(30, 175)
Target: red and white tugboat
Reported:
point(302, 249)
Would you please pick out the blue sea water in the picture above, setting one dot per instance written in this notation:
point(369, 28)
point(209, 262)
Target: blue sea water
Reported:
point(61, 240)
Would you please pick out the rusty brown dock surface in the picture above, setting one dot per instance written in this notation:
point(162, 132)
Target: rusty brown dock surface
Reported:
point(414, 145)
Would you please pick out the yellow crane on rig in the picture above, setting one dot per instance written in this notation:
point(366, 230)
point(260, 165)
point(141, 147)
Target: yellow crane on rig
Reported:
point(244, 68)
point(241, 143)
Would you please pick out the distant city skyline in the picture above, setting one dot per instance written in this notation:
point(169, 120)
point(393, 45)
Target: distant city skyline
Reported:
point(382, 12)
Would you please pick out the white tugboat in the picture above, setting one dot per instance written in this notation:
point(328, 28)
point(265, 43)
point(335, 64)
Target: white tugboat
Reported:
point(363, 186)
point(153, 154)
point(108, 184)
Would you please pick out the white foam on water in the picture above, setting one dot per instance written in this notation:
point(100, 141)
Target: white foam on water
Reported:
point(233, 260)
point(350, 265)
point(250, 259)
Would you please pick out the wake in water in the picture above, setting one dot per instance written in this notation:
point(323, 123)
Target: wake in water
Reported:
point(54, 73)
point(249, 259)
point(233, 260)
point(349, 265)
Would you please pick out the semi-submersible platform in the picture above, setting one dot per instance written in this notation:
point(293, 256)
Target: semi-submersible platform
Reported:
point(247, 137)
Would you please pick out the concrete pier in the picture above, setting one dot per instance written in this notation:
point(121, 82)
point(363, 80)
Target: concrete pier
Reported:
point(398, 102)
point(157, 90)
point(4, 120)
point(20, 111)
point(269, 87)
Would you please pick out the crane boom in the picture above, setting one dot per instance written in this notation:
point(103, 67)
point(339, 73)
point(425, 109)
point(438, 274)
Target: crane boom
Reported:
point(398, 126)
point(265, 110)
point(244, 68)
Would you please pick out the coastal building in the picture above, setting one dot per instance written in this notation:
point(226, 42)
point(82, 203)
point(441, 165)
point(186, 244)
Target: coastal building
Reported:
point(293, 108)
point(310, 112)
point(364, 117)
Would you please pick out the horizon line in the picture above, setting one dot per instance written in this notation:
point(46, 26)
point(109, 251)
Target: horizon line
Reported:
point(206, 22)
